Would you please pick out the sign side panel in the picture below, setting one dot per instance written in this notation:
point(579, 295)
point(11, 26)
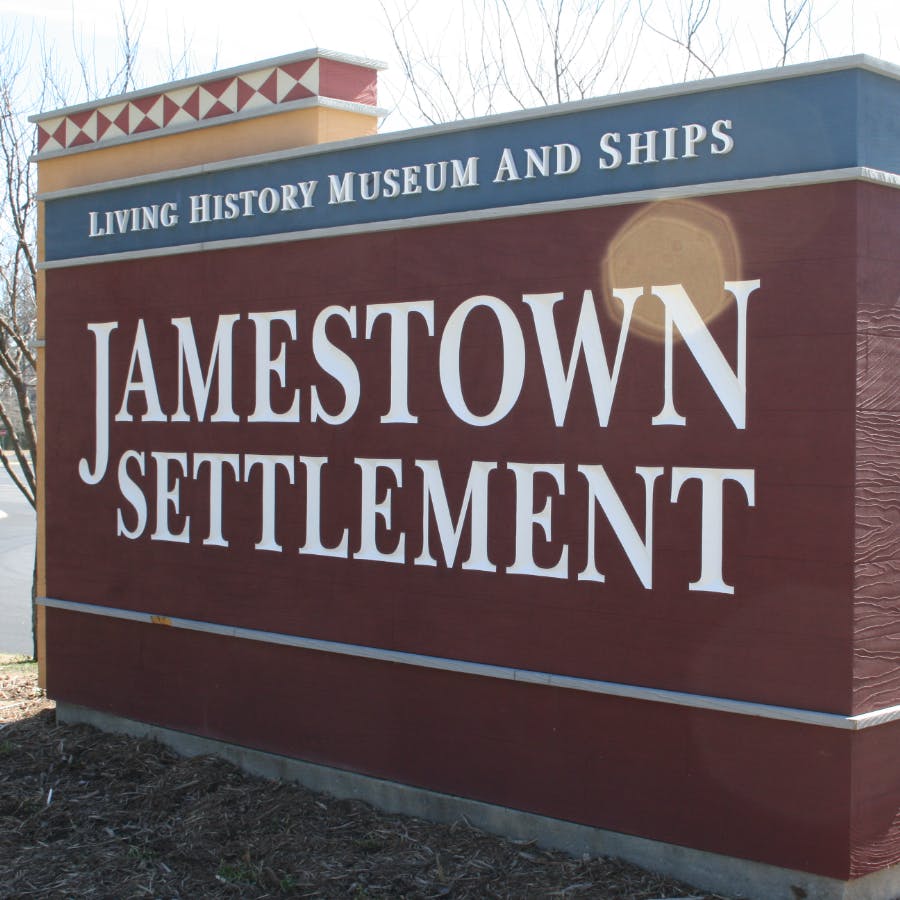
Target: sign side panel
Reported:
point(877, 570)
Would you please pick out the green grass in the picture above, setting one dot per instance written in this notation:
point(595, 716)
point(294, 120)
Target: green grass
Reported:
point(13, 664)
point(237, 873)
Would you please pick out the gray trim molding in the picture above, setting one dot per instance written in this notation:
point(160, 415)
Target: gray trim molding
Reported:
point(485, 670)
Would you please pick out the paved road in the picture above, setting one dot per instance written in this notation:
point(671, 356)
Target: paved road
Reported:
point(17, 524)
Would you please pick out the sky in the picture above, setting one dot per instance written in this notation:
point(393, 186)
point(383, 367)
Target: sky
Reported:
point(268, 27)
point(263, 29)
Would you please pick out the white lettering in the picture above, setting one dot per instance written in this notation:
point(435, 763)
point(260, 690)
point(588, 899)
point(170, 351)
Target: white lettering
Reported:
point(588, 341)
point(219, 359)
point(102, 331)
point(169, 495)
point(216, 463)
point(527, 518)
point(134, 495)
point(475, 502)
point(398, 314)
point(693, 134)
point(314, 544)
point(719, 131)
point(711, 527)
point(267, 365)
point(608, 146)
point(639, 551)
point(513, 360)
point(337, 364)
point(730, 386)
point(269, 464)
point(140, 356)
point(506, 169)
point(371, 510)
point(340, 188)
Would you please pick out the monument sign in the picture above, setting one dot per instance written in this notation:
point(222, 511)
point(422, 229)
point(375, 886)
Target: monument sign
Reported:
point(548, 461)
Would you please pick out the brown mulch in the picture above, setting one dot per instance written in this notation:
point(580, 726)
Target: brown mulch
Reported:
point(89, 814)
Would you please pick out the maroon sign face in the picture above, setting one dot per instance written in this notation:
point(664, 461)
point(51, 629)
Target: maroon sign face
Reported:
point(587, 443)
point(640, 446)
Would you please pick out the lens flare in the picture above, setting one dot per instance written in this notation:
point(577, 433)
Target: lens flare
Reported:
point(671, 242)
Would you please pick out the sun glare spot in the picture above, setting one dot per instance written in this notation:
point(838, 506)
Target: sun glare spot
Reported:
point(671, 242)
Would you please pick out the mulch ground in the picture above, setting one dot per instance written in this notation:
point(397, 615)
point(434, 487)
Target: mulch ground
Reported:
point(89, 814)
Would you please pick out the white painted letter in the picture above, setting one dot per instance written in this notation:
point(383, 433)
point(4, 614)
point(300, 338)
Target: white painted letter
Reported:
point(216, 462)
point(513, 360)
point(568, 159)
point(527, 518)
point(588, 340)
point(647, 146)
point(711, 530)
point(398, 314)
point(693, 134)
point(337, 364)
point(133, 494)
point(140, 354)
point(314, 545)
point(475, 499)
point(269, 464)
point(720, 130)
point(609, 146)
point(506, 170)
point(730, 387)
point(371, 510)
point(102, 332)
point(465, 175)
point(166, 495)
point(201, 385)
point(639, 551)
point(266, 365)
point(340, 188)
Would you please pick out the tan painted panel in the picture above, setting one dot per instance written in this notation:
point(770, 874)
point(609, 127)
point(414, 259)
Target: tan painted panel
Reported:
point(340, 125)
point(41, 508)
point(279, 131)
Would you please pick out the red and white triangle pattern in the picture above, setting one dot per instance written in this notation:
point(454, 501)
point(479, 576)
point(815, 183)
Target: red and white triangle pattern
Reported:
point(254, 90)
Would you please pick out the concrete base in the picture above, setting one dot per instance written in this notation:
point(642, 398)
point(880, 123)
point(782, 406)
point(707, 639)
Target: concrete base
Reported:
point(708, 871)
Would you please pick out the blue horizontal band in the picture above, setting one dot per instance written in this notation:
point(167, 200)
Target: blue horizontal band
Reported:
point(813, 121)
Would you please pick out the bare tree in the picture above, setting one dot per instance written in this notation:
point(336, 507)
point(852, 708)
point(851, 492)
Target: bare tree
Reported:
point(486, 56)
point(28, 82)
point(18, 277)
point(792, 23)
point(695, 27)
point(707, 38)
point(18, 274)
